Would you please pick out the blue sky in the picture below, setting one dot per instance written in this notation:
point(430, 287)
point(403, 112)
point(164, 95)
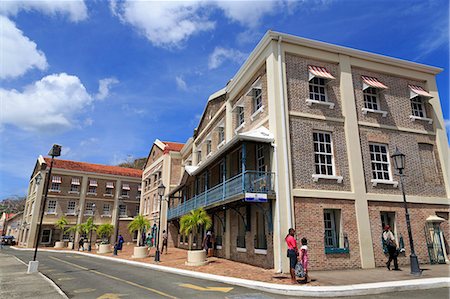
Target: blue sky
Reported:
point(105, 78)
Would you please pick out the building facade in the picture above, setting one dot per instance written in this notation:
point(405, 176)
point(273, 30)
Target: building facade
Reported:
point(79, 190)
point(13, 224)
point(301, 137)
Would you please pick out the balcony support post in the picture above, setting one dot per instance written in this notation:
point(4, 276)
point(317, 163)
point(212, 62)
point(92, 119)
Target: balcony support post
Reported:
point(244, 163)
point(206, 186)
point(224, 175)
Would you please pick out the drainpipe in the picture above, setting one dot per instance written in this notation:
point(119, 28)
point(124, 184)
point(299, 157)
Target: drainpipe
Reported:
point(277, 207)
point(284, 135)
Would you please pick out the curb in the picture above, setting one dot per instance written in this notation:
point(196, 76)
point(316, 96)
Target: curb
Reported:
point(292, 290)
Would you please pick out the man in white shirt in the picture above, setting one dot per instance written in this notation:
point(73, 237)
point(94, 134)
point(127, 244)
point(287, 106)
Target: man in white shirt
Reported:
point(389, 239)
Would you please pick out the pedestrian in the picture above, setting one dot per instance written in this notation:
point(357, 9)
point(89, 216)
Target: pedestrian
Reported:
point(154, 232)
point(292, 253)
point(2, 242)
point(164, 241)
point(391, 245)
point(120, 241)
point(115, 248)
point(149, 242)
point(81, 245)
point(207, 242)
point(303, 257)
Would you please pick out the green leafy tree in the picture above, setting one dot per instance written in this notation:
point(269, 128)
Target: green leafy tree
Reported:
point(105, 231)
point(190, 223)
point(139, 223)
point(61, 224)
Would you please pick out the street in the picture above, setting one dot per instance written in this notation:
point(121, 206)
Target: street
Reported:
point(87, 277)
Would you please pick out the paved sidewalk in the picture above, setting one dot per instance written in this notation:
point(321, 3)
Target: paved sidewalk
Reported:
point(16, 283)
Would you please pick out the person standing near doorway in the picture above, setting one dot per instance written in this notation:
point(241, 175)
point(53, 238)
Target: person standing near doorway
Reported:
point(165, 238)
point(391, 245)
point(292, 253)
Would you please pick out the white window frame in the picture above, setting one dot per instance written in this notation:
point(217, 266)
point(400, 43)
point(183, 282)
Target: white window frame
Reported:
point(74, 188)
point(376, 181)
point(51, 207)
point(335, 228)
point(240, 117)
point(315, 82)
point(125, 193)
point(208, 147)
point(419, 114)
point(89, 209)
point(121, 207)
point(368, 97)
point(260, 158)
point(137, 210)
point(106, 212)
point(71, 210)
point(317, 176)
point(221, 135)
point(90, 192)
point(199, 156)
point(49, 236)
point(55, 187)
point(155, 204)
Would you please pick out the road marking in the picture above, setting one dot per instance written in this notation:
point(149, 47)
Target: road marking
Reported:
point(83, 291)
point(116, 278)
point(211, 289)
point(111, 296)
point(65, 278)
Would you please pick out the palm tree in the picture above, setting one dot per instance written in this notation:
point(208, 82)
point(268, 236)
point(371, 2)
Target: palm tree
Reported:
point(139, 223)
point(61, 224)
point(190, 223)
point(105, 231)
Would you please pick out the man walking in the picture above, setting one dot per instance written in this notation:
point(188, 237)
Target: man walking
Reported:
point(389, 239)
point(164, 241)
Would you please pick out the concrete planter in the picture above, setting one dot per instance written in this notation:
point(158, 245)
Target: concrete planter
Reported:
point(104, 248)
point(139, 252)
point(60, 244)
point(69, 245)
point(196, 258)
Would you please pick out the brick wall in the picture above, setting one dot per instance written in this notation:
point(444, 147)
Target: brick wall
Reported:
point(418, 213)
point(212, 107)
point(309, 224)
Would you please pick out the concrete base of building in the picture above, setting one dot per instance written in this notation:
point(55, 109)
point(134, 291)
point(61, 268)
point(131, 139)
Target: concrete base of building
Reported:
point(196, 258)
point(60, 244)
point(70, 245)
point(104, 248)
point(139, 252)
point(33, 267)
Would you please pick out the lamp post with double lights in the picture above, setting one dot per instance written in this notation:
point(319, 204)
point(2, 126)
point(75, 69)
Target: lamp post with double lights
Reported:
point(161, 191)
point(91, 228)
point(399, 163)
point(54, 152)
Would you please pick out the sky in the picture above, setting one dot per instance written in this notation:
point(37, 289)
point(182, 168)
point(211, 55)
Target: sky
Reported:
point(104, 79)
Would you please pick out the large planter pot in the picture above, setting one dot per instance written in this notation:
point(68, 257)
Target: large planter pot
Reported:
point(196, 258)
point(70, 245)
point(59, 244)
point(139, 252)
point(104, 248)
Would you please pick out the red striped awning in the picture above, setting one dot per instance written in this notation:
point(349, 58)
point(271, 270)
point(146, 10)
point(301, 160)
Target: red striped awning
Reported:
point(126, 187)
point(110, 185)
point(372, 82)
point(56, 179)
point(418, 91)
point(93, 183)
point(139, 188)
point(75, 181)
point(319, 72)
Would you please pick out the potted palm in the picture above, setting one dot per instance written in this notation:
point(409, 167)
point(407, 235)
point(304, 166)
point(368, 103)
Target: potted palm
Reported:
point(105, 231)
point(87, 228)
point(189, 225)
point(139, 223)
point(61, 224)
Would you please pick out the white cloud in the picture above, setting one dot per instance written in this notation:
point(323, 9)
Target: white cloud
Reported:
point(19, 54)
point(75, 9)
point(434, 39)
point(49, 104)
point(104, 86)
point(133, 110)
point(181, 84)
point(219, 55)
point(248, 13)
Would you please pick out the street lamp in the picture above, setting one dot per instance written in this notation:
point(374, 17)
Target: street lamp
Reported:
point(54, 152)
point(161, 191)
point(399, 163)
point(90, 236)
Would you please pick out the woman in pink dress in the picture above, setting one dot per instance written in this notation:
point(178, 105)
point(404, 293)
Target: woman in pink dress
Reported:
point(303, 258)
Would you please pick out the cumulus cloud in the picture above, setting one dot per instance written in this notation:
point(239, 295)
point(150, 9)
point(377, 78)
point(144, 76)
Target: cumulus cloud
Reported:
point(48, 104)
point(248, 13)
point(181, 84)
point(220, 55)
point(104, 86)
point(75, 9)
point(19, 53)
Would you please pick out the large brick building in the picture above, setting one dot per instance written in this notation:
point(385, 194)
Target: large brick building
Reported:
point(301, 137)
point(79, 190)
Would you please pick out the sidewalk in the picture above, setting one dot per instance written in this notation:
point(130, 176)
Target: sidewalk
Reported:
point(16, 283)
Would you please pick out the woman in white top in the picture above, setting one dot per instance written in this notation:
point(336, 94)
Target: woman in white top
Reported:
point(389, 239)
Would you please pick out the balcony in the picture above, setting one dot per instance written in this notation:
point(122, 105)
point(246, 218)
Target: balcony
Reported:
point(247, 182)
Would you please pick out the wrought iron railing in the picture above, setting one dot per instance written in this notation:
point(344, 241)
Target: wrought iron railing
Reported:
point(249, 181)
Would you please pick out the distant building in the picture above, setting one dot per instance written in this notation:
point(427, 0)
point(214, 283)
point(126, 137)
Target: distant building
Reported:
point(3, 219)
point(79, 190)
point(13, 225)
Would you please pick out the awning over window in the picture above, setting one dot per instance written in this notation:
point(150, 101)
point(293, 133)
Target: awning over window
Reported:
point(139, 188)
point(372, 82)
point(415, 91)
point(56, 179)
point(110, 185)
point(75, 181)
point(126, 187)
point(93, 183)
point(319, 72)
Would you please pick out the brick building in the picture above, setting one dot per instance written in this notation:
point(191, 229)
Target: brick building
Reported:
point(301, 137)
point(79, 190)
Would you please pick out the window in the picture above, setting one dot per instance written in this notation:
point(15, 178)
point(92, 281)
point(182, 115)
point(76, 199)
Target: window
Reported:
point(257, 98)
point(66, 235)
point(380, 162)
point(51, 207)
point(56, 183)
point(75, 185)
point(260, 163)
point(418, 107)
point(71, 207)
point(239, 161)
point(109, 188)
point(317, 91)
point(199, 156)
point(123, 211)
point(125, 190)
point(208, 147)
point(260, 238)
point(221, 134)
point(136, 212)
point(331, 221)
point(371, 98)
point(221, 171)
point(89, 209)
point(155, 203)
point(323, 155)
point(388, 218)
point(240, 116)
point(240, 240)
point(106, 209)
point(46, 236)
point(92, 190)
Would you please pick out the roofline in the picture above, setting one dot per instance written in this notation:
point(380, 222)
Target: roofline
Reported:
point(213, 96)
point(289, 38)
point(187, 146)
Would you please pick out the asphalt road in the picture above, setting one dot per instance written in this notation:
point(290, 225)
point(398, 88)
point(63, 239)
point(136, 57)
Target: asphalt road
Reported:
point(85, 277)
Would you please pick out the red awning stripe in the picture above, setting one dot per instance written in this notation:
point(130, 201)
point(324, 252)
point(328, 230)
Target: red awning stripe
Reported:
point(372, 82)
point(56, 179)
point(93, 183)
point(125, 187)
point(110, 185)
point(320, 72)
point(75, 181)
point(418, 91)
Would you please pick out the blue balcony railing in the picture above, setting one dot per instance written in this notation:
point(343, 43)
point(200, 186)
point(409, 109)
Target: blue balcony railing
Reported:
point(249, 181)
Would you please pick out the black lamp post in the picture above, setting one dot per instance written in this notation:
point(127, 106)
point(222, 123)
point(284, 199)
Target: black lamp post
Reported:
point(399, 163)
point(90, 236)
point(161, 191)
point(54, 152)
